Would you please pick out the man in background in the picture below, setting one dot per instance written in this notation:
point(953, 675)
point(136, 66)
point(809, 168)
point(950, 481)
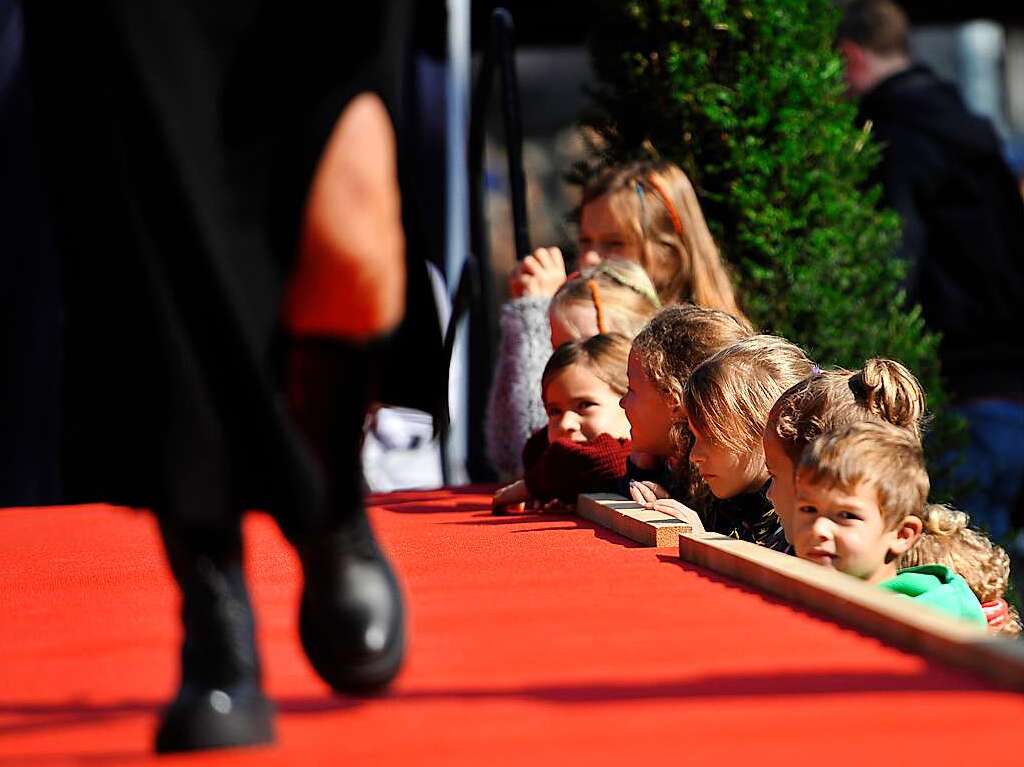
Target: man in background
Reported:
point(943, 171)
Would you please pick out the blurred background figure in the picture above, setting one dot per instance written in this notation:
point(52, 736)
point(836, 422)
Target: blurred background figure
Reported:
point(944, 171)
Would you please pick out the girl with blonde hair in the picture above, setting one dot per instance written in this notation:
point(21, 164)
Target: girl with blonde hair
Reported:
point(727, 401)
point(648, 212)
point(665, 352)
point(883, 390)
point(947, 539)
point(643, 212)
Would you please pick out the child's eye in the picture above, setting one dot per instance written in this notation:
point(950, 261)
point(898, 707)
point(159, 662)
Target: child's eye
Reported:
point(807, 509)
point(554, 412)
point(585, 405)
point(849, 516)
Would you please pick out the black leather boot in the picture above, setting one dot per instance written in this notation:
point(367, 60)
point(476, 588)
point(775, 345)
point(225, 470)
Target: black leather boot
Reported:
point(351, 619)
point(220, 702)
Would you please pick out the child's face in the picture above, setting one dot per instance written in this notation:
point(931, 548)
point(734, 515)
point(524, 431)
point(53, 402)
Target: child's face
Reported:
point(782, 491)
point(580, 406)
point(726, 473)
point(602, 235)
point(845, 530)
point(572, 321)
point(650, 412)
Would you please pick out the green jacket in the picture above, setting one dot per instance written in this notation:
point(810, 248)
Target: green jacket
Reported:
point(941, 589)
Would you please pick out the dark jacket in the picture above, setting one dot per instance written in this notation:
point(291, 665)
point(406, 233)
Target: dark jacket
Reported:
point(963, 227)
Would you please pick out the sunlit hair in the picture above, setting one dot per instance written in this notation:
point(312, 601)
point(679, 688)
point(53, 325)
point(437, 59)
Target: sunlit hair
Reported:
point(879, 25)
point(882, 455)
point(949, 540)
point(657, 207)
point(619, 291)
point(883, 390)
point(605, 355)
point(728, 397)
point(678, 339)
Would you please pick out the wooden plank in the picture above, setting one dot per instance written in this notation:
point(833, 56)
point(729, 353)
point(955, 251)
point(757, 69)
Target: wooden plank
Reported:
point(881, 613)
point(629, 518)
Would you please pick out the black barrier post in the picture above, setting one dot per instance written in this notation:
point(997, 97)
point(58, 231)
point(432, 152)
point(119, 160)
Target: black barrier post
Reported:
point(475, 292)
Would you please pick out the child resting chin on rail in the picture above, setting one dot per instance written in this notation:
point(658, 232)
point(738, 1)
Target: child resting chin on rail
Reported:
point(586, 442)
point(726, 402)
point(861, 495)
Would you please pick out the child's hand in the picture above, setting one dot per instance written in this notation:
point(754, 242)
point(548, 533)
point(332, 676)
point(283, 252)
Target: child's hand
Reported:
point(674, 508)
point(540, 274)
point(557, 506)
point(643, 491)
point(509, 496)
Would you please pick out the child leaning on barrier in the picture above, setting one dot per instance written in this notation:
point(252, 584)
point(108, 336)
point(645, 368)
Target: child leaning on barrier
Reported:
point(614, 296)
point(861, 494)
point(661, 359)
point(970, 554)
point(826, 400)
point(586, 442)
point(727, 401)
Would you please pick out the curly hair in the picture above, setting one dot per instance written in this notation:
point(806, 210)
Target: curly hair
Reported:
point(671, 345)
point(949, 540)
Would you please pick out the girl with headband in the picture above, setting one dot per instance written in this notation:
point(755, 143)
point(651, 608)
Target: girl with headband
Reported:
point(644, 212)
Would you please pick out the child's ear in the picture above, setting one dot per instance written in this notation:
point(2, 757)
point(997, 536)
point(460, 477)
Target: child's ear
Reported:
point(906, 535)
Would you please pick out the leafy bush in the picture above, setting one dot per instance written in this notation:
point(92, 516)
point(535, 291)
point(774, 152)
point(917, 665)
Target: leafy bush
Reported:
point(747, 97)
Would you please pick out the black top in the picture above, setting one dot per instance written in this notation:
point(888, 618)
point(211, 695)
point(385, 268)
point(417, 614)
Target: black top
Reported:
point(944, 172)
point(749, 517)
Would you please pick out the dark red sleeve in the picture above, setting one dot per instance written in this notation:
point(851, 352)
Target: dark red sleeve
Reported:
point(535, 448)
point(566, 468)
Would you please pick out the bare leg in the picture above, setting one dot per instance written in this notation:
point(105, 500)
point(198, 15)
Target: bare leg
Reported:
point(349, 282)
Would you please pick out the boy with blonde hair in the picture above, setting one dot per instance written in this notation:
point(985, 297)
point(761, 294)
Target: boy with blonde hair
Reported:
point(861, 494)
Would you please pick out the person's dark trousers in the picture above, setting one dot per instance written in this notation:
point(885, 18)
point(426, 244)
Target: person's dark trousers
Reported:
point(351, 616)
point(992, 470)
point(220, 701)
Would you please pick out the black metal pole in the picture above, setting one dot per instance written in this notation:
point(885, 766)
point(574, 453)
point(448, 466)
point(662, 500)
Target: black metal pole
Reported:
point(504, 37)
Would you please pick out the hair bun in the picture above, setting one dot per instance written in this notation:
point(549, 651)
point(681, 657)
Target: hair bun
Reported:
point(943, 521)
point(891, 392)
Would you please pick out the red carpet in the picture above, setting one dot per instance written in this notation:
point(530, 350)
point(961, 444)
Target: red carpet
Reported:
point(534, 640)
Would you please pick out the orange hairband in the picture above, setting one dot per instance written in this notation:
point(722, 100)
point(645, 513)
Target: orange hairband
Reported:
point(659, 189)
point(595, 296)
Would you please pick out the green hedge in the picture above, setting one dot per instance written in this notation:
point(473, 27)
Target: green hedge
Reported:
point(747, 97)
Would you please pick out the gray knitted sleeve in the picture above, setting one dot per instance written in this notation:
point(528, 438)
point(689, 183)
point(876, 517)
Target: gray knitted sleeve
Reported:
point(514, 408)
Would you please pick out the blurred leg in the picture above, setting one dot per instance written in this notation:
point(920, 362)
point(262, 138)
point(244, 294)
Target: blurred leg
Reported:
point(220, 702)
point(347, 293)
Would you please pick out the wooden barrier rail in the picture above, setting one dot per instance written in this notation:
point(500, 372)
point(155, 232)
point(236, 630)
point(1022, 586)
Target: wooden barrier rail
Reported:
point(883, 614)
